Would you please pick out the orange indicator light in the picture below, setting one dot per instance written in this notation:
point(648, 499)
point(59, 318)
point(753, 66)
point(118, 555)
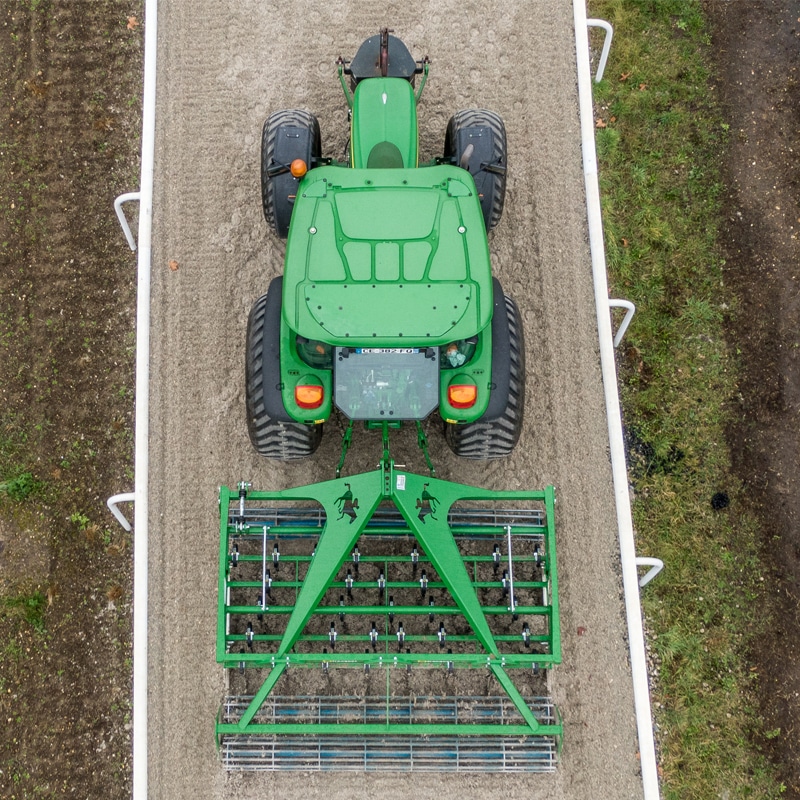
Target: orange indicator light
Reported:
point(298, 168)
point(462, 395)
point(309, 396)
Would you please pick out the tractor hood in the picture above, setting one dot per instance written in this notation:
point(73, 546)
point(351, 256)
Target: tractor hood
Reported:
point(389, 257)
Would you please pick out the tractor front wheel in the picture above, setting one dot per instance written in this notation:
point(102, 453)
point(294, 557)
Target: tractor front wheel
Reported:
point(287, 136)
point(485, 133)
point(272, 437)
point(497, 432)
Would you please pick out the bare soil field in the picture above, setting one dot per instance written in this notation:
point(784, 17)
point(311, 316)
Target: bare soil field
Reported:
point(757, 45)
point(70, 88)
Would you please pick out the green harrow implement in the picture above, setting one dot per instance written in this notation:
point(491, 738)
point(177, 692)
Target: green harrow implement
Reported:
point(388, 621)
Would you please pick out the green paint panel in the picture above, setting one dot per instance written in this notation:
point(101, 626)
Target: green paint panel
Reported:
point(369, 314)
point(384, 110)
point(372, 214)
point(387, 257)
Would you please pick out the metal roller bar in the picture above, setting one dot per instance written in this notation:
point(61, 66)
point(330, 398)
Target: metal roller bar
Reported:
point(395, 754)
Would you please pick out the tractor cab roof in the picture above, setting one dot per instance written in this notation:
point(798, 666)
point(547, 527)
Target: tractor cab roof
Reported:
point(392, 257)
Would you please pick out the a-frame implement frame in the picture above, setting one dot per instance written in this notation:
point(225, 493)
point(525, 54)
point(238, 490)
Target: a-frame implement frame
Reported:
point(448, 589)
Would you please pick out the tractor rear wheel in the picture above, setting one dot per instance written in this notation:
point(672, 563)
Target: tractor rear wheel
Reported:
point(281, 439)
point(287, 135)
point(485, 132)
point(497, 432)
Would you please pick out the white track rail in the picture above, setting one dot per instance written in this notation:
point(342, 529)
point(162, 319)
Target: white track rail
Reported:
point(142, 456)
point(630, 578)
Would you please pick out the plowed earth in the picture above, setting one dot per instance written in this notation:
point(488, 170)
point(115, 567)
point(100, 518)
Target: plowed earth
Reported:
point(757, 45)
point(70, 87)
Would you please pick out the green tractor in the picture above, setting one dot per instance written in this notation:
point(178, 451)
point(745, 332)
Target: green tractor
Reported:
point(386, 621)
point(387, 309)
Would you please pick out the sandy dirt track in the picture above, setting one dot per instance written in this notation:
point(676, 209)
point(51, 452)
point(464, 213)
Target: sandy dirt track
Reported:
point(223, 67)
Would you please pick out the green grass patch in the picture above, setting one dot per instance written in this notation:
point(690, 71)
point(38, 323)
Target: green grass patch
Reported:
point(24, 608)
point(18, 486)
point(660, 140)
point(17, 481)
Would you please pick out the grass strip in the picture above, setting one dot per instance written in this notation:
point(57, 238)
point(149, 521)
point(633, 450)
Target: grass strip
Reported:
point(660, 139)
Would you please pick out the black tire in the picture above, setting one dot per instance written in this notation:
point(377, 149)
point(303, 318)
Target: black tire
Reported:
point(281, 439)
point(485, 131)
point(286, 135)
point(496, 433)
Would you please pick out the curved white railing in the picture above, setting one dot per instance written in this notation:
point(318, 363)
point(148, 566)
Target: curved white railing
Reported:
point(142, 457)
point(123, 221)
point(606, 26)
point(142, 425)
point(127, 497)
point(655, 564)
point(630, 310)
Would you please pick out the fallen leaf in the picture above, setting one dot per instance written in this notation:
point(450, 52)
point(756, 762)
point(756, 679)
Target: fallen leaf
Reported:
point(642, 87)
point(173, 265)
point(132, 23)
point(114, 592)
point(600, 123)
point(92, 533)
point(624, 242)
point(116, 549)
point(612, 119)
point(625, 76)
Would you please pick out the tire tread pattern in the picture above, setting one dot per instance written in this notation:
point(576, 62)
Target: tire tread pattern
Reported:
point(282, 441)
point(496, 438)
